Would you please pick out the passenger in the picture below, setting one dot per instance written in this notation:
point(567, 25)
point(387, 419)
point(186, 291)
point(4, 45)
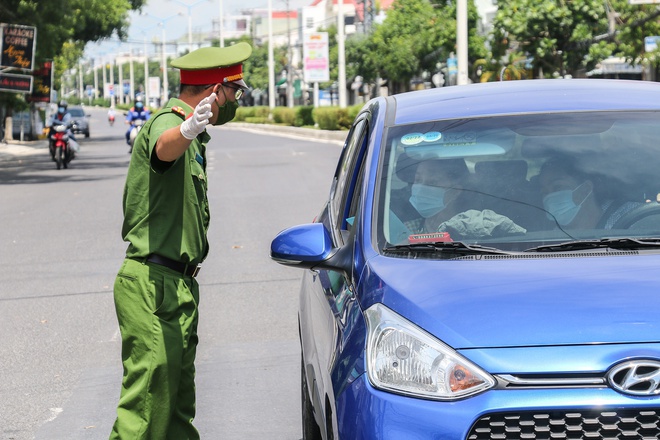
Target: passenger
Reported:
point(569, 199)
point(438, 193)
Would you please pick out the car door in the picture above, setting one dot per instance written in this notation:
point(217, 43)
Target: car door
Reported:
point(333, 290)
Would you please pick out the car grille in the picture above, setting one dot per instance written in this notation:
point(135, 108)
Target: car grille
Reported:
point(618, 424)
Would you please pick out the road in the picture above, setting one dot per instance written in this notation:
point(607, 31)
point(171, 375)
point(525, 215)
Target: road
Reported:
point(61, 248)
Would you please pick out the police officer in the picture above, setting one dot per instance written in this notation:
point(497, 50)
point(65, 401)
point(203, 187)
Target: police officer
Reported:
point(166, 217)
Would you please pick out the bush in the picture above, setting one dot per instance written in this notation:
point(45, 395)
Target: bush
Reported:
point(304, 116)
point(284, 115)
point(326, 117)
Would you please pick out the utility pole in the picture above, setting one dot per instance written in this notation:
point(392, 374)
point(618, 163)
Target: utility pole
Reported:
point(462, 42)
point(289, 73)
point(341, 86)
point(271, 62)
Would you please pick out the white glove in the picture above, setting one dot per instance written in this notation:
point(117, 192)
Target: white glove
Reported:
point(196, 124)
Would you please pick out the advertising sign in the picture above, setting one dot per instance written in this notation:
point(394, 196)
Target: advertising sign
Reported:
point(17, 46)
point(42, 83)
point(316, 61)
point(10, 82)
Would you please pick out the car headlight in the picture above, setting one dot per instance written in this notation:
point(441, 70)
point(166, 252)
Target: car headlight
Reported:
point(404, 359)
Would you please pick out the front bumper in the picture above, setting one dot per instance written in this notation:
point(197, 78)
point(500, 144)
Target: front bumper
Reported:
point(365, 413)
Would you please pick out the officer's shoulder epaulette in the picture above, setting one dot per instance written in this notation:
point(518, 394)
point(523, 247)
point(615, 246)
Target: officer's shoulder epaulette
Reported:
point(179, 111)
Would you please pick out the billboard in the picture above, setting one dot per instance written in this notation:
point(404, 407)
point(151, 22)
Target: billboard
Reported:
point(17, 47)
point(10, 82)
point(316, 61)
point(43, 80)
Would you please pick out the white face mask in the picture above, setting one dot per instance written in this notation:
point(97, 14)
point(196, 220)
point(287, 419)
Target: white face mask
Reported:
point(427, 200)
point(561, 207)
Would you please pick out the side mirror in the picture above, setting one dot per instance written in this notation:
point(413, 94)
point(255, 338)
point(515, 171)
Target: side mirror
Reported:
point(310, 247)
point(305, 245)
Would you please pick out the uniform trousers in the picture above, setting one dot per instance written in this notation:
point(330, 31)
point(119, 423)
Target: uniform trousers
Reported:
point(157, 313)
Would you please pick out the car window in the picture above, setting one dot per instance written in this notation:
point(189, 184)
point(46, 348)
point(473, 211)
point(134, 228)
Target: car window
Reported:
point(76, 112)
point(346, 176)
point(514, 182)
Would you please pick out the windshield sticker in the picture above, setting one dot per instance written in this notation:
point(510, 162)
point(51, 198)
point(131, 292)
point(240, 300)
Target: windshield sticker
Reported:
point(412, 139)
point(432, 136)
point(445, 139)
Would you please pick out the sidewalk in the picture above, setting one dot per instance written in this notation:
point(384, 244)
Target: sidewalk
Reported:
point(14, 148)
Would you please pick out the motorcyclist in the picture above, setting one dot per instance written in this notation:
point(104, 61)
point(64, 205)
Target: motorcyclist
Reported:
point(138, 111)
point(62, 116)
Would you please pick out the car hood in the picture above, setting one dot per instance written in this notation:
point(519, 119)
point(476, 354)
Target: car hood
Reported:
point(522, 301)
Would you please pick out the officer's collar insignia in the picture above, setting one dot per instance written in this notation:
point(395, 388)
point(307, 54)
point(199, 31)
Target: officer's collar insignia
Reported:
point(179, 111)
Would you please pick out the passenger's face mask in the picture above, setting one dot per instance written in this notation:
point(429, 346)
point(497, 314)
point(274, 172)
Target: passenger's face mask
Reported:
point(561, 207)
point(427, 200)
point(225, 112)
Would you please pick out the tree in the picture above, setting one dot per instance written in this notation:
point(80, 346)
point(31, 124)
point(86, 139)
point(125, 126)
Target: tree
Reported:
point(65, 26)
point(415, 37)
point(569, 37)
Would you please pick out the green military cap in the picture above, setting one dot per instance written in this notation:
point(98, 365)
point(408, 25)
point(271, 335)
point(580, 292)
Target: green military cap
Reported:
point(210, 65)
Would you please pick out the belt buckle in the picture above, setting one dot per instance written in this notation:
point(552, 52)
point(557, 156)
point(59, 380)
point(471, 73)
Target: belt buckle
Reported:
point(196, 271)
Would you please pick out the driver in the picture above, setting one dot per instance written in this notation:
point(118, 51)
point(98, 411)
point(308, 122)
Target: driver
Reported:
point(138, 111)
point(569, 199)
point(62, 116)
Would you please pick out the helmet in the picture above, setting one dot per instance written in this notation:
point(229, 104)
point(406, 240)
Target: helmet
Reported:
point(61, 107)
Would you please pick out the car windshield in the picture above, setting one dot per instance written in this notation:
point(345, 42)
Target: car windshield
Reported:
point(522, 182)
point(76, 112)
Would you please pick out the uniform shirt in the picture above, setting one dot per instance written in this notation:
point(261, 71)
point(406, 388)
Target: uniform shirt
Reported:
point(166, 209)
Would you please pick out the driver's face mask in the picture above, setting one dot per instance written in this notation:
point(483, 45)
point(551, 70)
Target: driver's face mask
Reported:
point(561, 206)
point(427, 200)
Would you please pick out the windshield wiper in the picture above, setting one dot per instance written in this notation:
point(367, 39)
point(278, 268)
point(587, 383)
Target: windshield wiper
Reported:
point(452, 246)
point(611, 243)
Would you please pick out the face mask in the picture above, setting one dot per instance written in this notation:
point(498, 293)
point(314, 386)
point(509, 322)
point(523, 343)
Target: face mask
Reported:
point(561, 207)
point(427, 200)
point(225, 112)
point(61, 109)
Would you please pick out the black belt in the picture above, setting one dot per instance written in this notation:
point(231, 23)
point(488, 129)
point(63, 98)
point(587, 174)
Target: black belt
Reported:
point(186, 269)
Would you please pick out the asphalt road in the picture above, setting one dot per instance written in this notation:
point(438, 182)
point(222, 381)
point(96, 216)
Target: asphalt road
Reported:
point(60, 250)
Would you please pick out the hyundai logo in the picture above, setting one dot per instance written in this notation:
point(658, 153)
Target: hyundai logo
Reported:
point(638, 377)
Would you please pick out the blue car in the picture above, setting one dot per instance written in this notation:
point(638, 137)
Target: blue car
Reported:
point(487, 266)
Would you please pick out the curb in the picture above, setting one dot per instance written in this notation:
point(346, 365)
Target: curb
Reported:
point(331, 136)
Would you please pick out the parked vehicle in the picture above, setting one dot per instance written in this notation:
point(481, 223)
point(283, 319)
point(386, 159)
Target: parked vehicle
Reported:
point(80, 120)
point(60, 145)
point(486, 267)
point(136, 125)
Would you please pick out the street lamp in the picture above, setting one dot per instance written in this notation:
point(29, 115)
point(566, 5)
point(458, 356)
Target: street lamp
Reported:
point(190, 48)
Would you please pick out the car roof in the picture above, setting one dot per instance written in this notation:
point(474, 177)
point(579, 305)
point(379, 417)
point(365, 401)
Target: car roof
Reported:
point(528, 96)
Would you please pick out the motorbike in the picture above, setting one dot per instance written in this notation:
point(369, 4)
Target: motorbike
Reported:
point(111, 120)
point(136, 127)
point(59, 144)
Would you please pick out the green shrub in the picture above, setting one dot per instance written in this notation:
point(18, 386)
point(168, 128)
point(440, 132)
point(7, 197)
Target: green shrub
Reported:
point(304, 116)
point(284, 115)
point(242, 113)
point(257, 120)
point(326, 117)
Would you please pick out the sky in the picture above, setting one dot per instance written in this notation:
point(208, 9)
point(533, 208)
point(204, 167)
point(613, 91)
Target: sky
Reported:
point(174, 13)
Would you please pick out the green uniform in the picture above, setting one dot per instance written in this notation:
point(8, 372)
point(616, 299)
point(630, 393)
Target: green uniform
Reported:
point(165, 213)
